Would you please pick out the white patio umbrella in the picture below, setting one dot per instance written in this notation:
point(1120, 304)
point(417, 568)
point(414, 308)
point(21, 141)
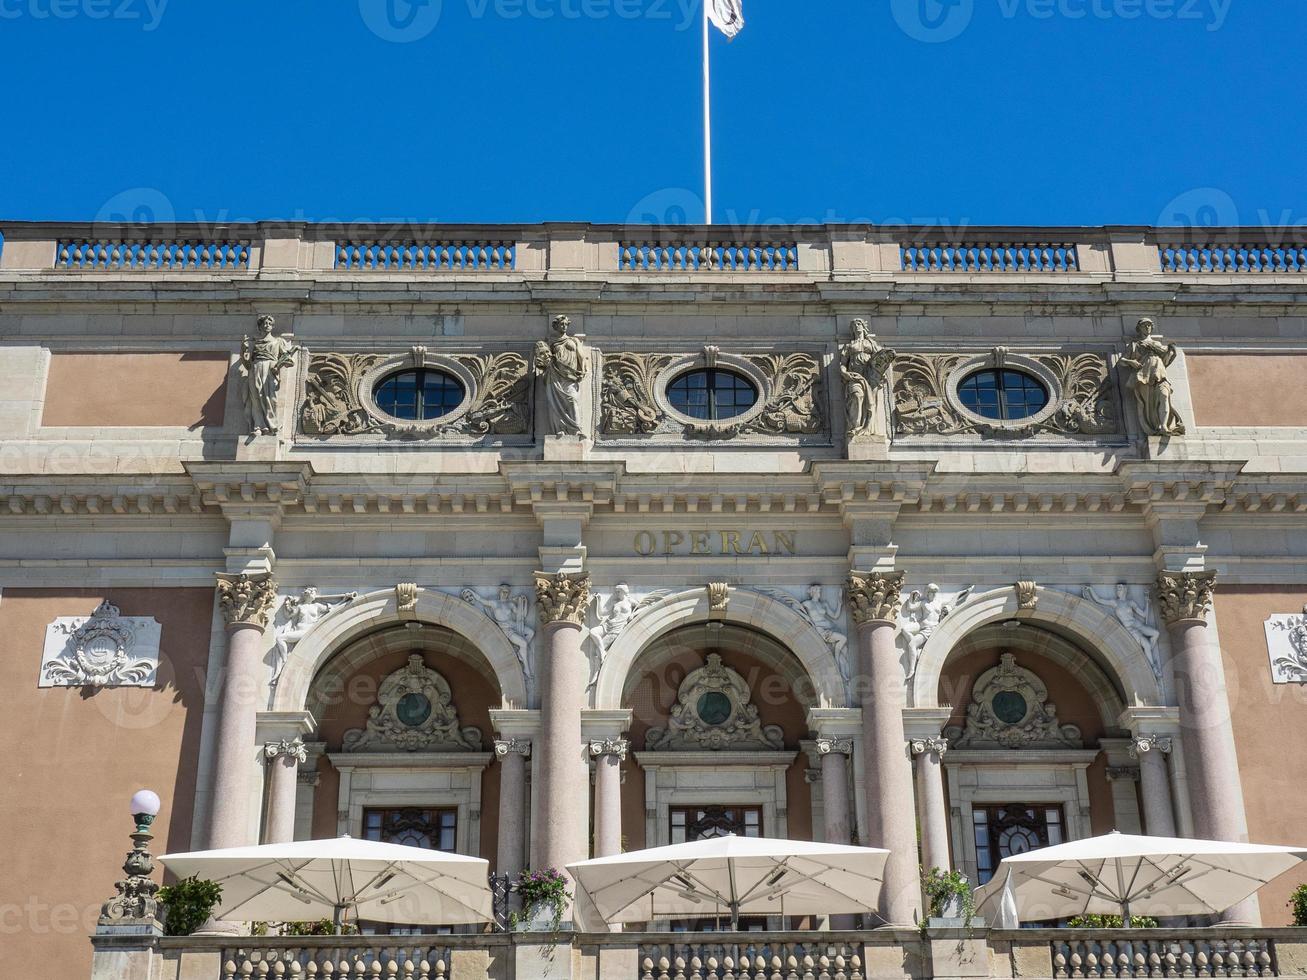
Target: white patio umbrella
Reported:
point(729, 875)
point(1123, 874)
point(327, 878)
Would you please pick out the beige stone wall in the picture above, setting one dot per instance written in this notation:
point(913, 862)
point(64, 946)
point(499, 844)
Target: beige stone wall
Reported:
point(63, 812)
point(176, 388)
point(1270, 723)
point(1248, 389)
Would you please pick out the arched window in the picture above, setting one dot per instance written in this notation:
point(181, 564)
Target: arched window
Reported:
point(712, 394)
point(418, 394)
point(1004, 396)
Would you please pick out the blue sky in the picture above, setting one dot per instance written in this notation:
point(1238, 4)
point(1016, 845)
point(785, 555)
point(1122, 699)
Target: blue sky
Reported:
point(954, 111)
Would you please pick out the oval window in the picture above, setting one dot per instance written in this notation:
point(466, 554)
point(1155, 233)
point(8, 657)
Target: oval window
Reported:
point(1004, 396)
point(419, 394)
point(712, 394)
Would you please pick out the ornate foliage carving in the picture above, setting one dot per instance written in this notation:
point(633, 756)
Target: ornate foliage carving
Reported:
point(105, 649)
point(714, 711)
point(414, 710)
point(246, 600)
point(562, 597)
point(631, 403)
point(1085, 404)
point(1027, 595)
point(874, 596)
point(1010, 709)
point(292, 748)
point(1286, 642)
point(335, 402)
point(1185, 595)
point(719, 597)
point(135, 902)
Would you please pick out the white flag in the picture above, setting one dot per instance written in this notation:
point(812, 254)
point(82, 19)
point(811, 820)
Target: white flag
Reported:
point(726, 15)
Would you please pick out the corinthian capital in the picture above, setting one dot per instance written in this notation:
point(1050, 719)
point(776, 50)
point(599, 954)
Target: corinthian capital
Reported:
point(246, 600)
point(1185, 595)
point(874, 596)
point(562, 597)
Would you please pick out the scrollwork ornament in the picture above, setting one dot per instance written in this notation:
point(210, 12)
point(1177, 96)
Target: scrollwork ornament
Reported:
point(714, 711)
point(291, 748)
point(617, 747)
point(105, 649)
point(414, 711)
point(1143, 744)
point(1027, 595)
point(246, 600)
point(936, 744)
point(833, 746)
point(562, 597)
point(505, 747)
point(874, 597)
point(1185, 596)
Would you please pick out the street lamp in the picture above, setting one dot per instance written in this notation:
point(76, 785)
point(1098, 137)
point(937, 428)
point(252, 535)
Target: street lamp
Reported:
point(135, 901)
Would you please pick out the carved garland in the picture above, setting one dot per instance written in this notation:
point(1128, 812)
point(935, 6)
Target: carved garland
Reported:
point(338, 395)
point(414, 710)
point(714, 711)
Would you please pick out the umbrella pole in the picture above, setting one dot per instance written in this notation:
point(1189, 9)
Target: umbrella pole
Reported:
point(735, 917)
point(1125, 915)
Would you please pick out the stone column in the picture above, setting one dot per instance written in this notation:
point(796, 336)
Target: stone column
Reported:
point(873, 599)
point(609, 754)
point(564, 834)
point(246, 602)
point(512, 754)
point(1212, 768)
point(835, 753)
point(929, 753)
point(284, 760)
point(1155, 783)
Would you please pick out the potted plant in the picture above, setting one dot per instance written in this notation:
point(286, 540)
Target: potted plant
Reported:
point(188, 904)
point(948, 895)
point(540, 891)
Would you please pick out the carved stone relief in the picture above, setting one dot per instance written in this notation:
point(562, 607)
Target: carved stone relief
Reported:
point(614, 616)
point(1185, 596)
point(562, 597)
point(1010, 709)
point(105, 649)
point(1286, 643)
point(1132, 609)
point(826, 617)
point(791, 398)
point(1082, 399)
point(714, 711)
point(920, 616)
point(512, 611)
point(874, 596)
point(338, 395)
point(414, 711)
point(295, 617)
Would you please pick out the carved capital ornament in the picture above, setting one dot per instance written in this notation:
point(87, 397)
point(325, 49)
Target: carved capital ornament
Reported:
point(1143, 744)
point(833, 746)
point(937, 744)
point(504, 747)
point(610, 746)
point(875, 597)
point(246, 600)
point(562, 597)
point(288, 747)
point(1185, 596)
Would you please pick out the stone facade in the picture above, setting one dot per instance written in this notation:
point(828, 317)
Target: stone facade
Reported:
point(585, 604)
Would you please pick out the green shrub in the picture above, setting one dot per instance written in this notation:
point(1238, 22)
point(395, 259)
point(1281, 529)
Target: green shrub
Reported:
point(188, 904)
point(1110, 922)
point(941, 887)
point(545, 889)
point(322, 927)
point(1298, 902)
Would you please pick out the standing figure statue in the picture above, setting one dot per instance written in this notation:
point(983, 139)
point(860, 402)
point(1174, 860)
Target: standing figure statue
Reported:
point(827, 620)
point(298, 615)
point(921, 616)
point(613, 619)
point(863, 367)
point(263, 358)
point(510, 612)
point(563, 362)
point(1134, 617)
point(1154, 395)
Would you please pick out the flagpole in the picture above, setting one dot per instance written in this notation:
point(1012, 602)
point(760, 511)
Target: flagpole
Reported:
point(707, 120)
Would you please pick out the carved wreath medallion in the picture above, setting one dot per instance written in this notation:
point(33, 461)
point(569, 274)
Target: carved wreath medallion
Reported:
point(1010, 709)
point(414, 711)
point(714, 710)
point(105, 649)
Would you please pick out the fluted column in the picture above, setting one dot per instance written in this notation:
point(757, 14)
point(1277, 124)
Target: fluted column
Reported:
point(873, 599)
point(1211, 765)
point(564, 835)
point(609, 754)
point(284, 759)
point(835, 753)
point(512, 754)
point(929, 755)
point(246, 602)
point(1155, 783)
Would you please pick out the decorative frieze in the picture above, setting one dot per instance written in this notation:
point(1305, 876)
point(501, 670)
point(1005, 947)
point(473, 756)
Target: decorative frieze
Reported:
point(1185, 595)
point(338, 395)
point(1082, 399)
point(246, 600)
point(1286, 643)
point(1010, 710)
point(105, 649)
point(562, 597)
point(874, 596)
point(414, 711)
point(714, 711)
point(292, 748)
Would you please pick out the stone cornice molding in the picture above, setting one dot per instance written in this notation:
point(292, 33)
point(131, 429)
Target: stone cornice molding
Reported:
point(244, 487)
point(246, 600)
point(874, 597)
point(562, 597)
point(1185, 596)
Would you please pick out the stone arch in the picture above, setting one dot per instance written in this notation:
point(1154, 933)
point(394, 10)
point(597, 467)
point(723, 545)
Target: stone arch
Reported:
point(375, 610)
point(746, 608)
point(1087, 623)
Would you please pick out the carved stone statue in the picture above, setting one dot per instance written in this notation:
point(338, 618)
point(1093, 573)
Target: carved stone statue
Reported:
point(921, 616)
point(510, 612)
point(1150, 358)
point(263, 358)
point(563, 362)
point(1134, 617)
point(613, 619)
point(826, 618)
point(298, 615)
point(863, 367)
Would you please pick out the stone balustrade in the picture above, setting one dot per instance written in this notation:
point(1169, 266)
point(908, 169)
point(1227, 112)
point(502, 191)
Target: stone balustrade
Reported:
point(812, 253)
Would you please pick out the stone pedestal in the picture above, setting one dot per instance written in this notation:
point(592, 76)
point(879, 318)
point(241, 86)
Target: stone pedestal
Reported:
point(125, 952)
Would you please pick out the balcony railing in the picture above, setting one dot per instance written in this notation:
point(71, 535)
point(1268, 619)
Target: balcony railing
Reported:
point(1236, 259)
point(709, 257)
point(991, 257)
point(425, 256)
point(165, 255)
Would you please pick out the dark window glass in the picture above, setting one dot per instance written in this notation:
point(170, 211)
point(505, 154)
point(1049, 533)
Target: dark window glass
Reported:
point(712, 394)
point(435, 830)
point(1015, 828)
point(418, 395)
point(1003, 395)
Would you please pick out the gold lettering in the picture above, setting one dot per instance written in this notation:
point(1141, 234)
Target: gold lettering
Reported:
point(671, 540)
point(731, 539)
point(784, 542)
point(645, 542)
point(699, 543)
point(757, 542)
